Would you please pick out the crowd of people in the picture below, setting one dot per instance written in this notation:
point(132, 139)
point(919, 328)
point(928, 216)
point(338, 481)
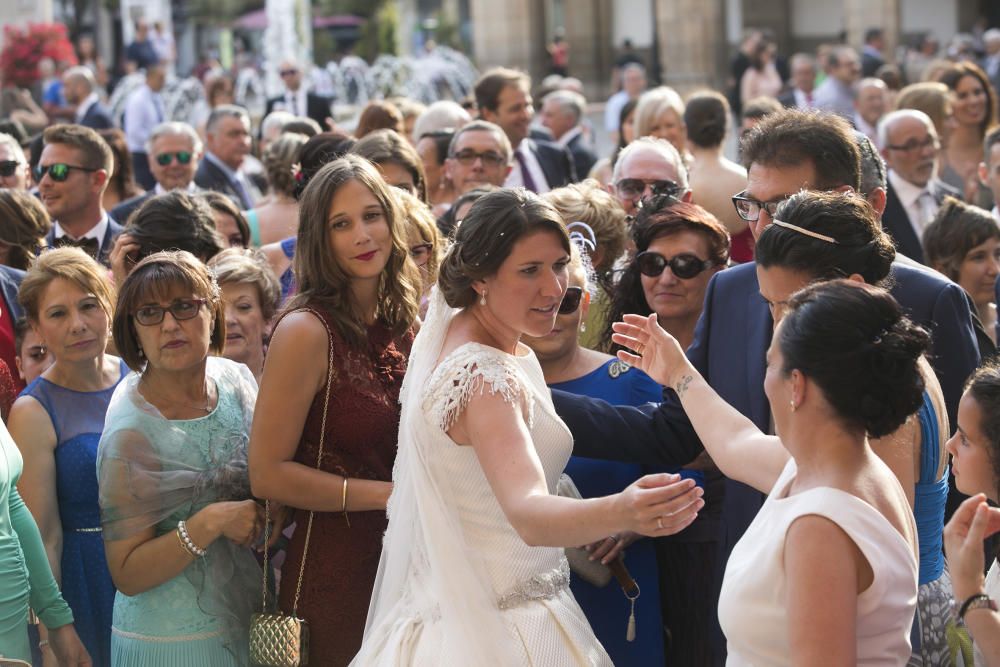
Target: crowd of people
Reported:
point(452, 388)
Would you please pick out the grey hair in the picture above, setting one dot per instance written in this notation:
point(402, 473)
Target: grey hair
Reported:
point(442, 115)
point(661, 146)
point(174, 128)
point(275, 119)
point(803, 58)
point(483, 126)
point(888, 120)
point(873, 172)
point(14, 147)
point(225, 111)
point(569, 101)
point(81, 73)
point(870, 81)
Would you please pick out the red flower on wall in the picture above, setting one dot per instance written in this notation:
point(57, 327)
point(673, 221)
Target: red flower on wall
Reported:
point(24, 47)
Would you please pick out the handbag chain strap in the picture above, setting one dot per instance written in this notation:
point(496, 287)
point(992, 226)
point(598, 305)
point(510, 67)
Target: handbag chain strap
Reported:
point(319, 461)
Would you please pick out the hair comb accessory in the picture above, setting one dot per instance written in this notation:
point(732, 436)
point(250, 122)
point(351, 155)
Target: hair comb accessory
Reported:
point(807, 232)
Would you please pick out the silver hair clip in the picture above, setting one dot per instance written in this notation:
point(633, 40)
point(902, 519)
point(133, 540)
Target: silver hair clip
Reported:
point(807, 232)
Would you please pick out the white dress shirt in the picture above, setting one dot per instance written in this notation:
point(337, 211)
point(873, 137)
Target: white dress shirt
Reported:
point(85, 105)
point(918, 202)
point(96, 232)
point(516, 179)
point(143, 111)
point(803, 100)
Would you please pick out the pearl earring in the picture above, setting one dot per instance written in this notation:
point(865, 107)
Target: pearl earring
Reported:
point(792, 403)
point(482, 299)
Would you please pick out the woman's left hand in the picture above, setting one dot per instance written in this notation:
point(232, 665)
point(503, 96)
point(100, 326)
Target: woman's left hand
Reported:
point(972, 522)
point(69, 650)
point(280, 514)
point(610, 548)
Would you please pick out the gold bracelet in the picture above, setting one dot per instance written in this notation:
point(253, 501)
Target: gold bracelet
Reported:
point(343, 502)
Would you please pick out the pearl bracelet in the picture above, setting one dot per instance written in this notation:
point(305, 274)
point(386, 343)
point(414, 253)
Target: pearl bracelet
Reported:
point(187, 542)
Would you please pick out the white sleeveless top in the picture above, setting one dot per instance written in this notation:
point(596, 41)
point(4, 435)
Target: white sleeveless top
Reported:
point(752, 607)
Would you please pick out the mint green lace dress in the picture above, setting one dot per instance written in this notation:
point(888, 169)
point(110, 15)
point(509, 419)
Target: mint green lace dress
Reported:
point(155, 472)
point(25, 577)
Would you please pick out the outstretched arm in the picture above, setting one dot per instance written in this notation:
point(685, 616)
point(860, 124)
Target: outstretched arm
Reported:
point(740, 450)
point(495, 428)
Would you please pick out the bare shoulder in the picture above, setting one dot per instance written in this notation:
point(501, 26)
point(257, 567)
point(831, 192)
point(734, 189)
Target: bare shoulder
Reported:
point(29, 421)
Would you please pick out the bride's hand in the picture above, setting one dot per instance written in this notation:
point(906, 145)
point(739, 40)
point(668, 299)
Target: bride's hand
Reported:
point(656, 353)
point(661, 504)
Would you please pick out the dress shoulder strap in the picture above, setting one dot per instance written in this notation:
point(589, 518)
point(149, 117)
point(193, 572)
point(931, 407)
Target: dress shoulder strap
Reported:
point(470, 370)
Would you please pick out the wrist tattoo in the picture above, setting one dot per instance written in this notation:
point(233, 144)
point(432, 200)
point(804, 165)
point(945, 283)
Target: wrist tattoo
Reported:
point(682, 385)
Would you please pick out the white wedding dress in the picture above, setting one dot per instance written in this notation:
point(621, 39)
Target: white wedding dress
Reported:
point(457, 585)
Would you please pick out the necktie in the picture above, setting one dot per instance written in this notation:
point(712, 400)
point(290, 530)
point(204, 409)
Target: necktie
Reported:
point(158, 105)
point(927, 207)
point(526, 178)
point(241, 190)
point(89, 245)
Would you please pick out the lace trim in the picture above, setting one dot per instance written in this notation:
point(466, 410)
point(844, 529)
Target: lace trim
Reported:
point(467, 373)
point(544, 586)
point(165, 640)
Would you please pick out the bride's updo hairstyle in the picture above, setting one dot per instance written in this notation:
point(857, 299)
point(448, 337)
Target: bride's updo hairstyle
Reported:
point(484, 240)
point(858, 244)
point(853, 341)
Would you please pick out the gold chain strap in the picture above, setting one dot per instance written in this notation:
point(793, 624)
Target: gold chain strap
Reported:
point(319, 461)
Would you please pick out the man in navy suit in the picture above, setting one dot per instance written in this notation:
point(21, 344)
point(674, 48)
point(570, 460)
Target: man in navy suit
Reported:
point(562, 113)
point(911, 147)
point(73, 172)
point(503, 98)
point(80, 91)
point(296, 99)
point(735, 327)
point(227, 139)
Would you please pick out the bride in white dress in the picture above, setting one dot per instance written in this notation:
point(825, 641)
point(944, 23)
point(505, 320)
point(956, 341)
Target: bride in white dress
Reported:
point(472, 572)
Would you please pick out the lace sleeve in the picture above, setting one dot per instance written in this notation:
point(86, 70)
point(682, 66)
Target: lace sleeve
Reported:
point(470, 371)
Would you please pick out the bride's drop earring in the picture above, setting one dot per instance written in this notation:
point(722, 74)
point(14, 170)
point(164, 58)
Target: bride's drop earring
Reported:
point(583, 326)
point(482, 299)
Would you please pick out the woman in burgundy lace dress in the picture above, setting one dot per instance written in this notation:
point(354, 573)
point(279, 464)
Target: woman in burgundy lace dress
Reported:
point(356, 306)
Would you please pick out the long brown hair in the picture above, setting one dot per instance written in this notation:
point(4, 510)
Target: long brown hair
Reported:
point(324, 282)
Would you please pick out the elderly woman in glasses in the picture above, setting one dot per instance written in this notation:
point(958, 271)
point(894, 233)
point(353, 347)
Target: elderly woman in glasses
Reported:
point(570, 367)
point(176, 508)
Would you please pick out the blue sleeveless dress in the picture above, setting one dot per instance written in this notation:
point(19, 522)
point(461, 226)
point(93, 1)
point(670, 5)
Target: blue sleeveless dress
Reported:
point(606, 608)
point(78, 420)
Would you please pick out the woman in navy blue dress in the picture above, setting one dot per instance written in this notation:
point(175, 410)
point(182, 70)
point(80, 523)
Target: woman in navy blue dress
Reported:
point(57, 423)
point(573, 368)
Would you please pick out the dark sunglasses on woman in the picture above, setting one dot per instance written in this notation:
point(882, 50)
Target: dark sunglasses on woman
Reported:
point(571, 300)
point(8, 167)
point(684, 265)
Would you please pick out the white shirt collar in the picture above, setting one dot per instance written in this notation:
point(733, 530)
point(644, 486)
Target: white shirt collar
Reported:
point(516, 179)
point(191, 189)
point(996, 213)
point(84, 107)
point(96, 232)
point(907, 192)
point(564, 140)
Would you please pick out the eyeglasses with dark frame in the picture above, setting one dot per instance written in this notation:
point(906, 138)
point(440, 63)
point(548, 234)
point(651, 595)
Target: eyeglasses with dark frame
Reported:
point(913, 145)
point(571, 300)
point(467, 158)
point(58, 171)
point(749, 208)
point(9, 167)
point(181, 309)
point(633, 188)
point(182, 157)
point(684, 265)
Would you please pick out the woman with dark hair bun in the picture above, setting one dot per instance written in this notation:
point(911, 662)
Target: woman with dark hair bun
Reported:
point(827, 571)
point(821, 236)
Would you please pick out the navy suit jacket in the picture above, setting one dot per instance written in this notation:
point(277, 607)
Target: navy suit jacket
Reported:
point(897, 223)
point(729, 348)
point(555, 161)
point(10, 283)
point(584, 156)
point(97, 117)
point(210, 177)
point(125, 209)
point(317, 107)
point(108, 242)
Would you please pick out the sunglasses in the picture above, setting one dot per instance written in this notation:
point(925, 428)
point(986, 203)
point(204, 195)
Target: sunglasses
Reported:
point(468, 158)
point(58, 172)
point(289, 72)
point(182, 309)
point(8, 168)
point(633, 188)
point(183, 157)
point(571, 300)
point(684, 266)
